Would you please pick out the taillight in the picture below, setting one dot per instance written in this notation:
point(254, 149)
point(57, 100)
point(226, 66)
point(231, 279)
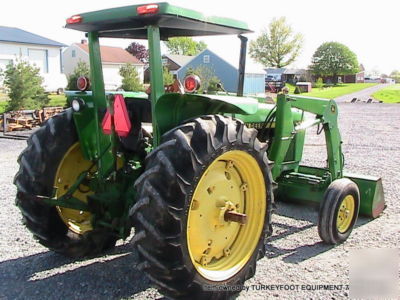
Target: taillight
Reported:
point(83, 83)
point(122, 123)
point(74, 19)
point(147, 9)
point(191, 83)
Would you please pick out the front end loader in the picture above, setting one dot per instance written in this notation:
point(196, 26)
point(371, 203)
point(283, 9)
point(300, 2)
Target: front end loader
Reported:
point(195, 175)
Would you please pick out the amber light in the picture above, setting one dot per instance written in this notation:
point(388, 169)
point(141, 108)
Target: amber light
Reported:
point(147, 9)
point(74, 19)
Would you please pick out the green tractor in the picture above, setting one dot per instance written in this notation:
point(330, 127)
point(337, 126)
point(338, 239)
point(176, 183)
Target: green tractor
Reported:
point(195, 175)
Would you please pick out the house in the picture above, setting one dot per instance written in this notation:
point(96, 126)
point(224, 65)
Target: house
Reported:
point(17, 44)
point(227, 74)
point(351, 78)
point(113, 58)
point(174, 62)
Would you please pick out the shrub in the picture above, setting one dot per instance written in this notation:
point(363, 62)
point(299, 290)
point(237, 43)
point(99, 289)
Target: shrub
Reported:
point(130, 78)
point(319, 84)
point(167, 76)
point(24, 85)
point(81, 69)
point(207, 77)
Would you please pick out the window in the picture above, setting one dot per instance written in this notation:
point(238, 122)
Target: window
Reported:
point(73, 53)
point(39, 58)
point(206, 59)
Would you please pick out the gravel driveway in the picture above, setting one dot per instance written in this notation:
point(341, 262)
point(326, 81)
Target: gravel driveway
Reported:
point(295, 254)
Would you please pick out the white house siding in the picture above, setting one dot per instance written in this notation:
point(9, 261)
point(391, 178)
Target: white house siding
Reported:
point(112, 80)
point(50, 70)
point(70, 62)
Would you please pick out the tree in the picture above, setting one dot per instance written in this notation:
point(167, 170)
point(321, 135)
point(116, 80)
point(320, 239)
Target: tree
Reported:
point(139, 51)
point(333, 59)
point(207, 78)
point(81, 69)
point(130, 78)
point(168, 78)
point(25, 87)
point(185, 46)
point(277, 46)
point(395, 75)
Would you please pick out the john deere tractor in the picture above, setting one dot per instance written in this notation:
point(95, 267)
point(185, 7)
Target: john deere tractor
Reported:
point(195, 175)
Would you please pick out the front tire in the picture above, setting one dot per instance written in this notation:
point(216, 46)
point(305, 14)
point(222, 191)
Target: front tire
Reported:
point(338, 211)
point(53, 158)
point(201, 170)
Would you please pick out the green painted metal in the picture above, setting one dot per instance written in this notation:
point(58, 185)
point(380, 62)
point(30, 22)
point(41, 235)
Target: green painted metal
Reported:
point(124, 22)
point(309, 184)
point(326, 112)
point(156, 76)
point(172, 109)
point(372, 199)
point(306, 185)
point(94, 143)
point(137, 95)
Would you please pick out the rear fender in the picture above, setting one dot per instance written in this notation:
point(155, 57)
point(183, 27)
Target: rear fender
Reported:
point(172, 109)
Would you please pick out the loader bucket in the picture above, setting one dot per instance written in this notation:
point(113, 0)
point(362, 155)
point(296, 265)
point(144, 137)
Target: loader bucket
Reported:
point(372, 200)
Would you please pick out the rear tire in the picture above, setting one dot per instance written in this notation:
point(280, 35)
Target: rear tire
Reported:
point(38, 167)
point(166, 192)
point(338, 211)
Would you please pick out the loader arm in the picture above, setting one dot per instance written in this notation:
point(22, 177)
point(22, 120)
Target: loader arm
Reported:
point(326, 112)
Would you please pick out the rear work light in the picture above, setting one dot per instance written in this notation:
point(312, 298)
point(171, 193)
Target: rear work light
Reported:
point(191, 83)
point(147, 9)
point(83, 83)
point(74, 19)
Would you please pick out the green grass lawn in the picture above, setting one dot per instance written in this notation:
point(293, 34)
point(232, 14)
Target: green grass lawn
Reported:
point(55, 100)
point(334, 91)
point(390, 94)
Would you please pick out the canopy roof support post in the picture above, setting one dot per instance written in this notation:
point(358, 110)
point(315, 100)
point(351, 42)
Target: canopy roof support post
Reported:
point(156, 75)
point(242, 64)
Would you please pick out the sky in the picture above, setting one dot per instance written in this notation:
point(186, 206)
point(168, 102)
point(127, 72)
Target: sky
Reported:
point(367, 27)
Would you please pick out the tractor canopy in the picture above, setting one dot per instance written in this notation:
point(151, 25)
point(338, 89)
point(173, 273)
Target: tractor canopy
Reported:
point(132, 21)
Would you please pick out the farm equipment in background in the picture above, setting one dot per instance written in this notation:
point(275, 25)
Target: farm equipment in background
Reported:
point(196, 175)
point(274, 86)
point(274, 83)
point(27, 119)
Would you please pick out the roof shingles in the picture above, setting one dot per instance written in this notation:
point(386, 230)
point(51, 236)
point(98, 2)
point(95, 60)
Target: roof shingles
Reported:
point(114, 55)
point(16, 35)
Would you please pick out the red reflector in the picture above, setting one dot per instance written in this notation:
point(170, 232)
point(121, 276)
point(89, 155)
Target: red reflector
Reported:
point(122, 124)
point(74, 19)
point(83, 83)
point(147, 9)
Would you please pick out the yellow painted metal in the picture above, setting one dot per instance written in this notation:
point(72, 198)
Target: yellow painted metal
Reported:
point(345, 214)
point(218, 248)
point(71, 166)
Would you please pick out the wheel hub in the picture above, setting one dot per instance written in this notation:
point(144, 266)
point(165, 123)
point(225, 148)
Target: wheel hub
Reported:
point(71, 166)
point(345, 214)
point(226, 216)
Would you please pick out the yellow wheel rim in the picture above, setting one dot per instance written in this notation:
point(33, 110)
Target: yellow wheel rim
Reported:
point(345, 214)
point(71, 166)
point(219, 248)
